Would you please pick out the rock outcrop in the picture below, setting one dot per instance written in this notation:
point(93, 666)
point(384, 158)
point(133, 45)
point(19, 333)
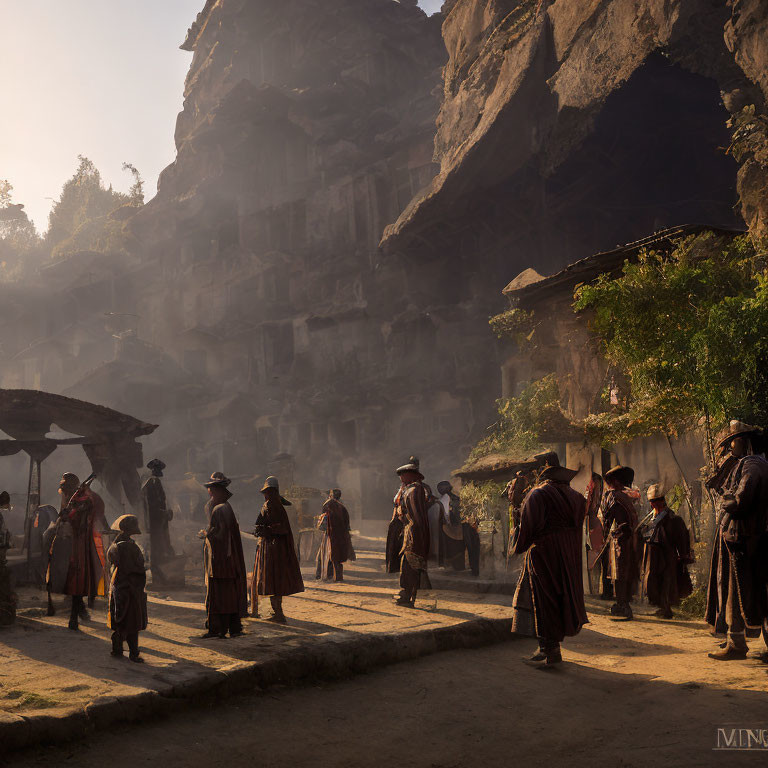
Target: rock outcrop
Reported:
point(530, 86)
point(307, 127)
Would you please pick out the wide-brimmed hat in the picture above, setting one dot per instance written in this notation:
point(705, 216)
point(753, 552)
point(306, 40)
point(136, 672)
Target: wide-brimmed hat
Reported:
point(156, 465)
point(127, 524)
point(411, 466)
point(737, 429)
point(552, 470)
point(273, 482)
point(218, 478)
point(655, 491)
point(621, 474)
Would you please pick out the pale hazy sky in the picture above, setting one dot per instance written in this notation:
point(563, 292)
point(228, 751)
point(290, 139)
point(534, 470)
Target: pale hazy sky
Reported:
point(102, 78)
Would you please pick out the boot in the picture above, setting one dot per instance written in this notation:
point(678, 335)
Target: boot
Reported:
point(735, 648)
point(73, 614)
point(664, 613)
point(277, 617)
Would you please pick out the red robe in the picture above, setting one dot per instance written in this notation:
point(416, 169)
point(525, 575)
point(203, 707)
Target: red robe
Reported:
point(549, 598)
point(85, 515)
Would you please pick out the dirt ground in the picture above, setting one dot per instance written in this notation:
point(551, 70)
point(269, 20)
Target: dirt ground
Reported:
point(628, 694)
point(45, 666)
point(617, 700)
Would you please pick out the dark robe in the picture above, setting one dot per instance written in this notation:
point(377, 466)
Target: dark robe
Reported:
point(736, 598)
point(415, 552)
point(156, 518)
point(336, 545)
point(666, 556)
point(394, 548)
point(127, 598)
point(549, 598)
point(225, 582)
point(621, 521)
point(78, 537)
point(276, 570)
point(452, 539)
point(7, 596)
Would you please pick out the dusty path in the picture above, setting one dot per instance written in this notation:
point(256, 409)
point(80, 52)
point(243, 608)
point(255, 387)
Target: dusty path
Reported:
point(46, 668)
point(460, 709)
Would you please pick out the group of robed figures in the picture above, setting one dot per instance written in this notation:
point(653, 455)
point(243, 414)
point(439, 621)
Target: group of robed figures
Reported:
point(654, 552)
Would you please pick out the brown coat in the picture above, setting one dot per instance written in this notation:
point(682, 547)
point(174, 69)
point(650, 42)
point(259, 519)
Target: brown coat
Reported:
point(549, 598)
point(276, 570)
point(666, 555)
point(337, 530)
point(620, 522)
point(226, 589)
point(740, 545)
point(127, 598)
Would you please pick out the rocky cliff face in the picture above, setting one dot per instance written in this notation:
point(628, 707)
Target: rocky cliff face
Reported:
point(307, 128)
point(263, 315)
point(535, 88)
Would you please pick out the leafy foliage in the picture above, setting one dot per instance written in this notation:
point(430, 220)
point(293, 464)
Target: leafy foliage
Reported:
point(481, 501)
point(18, 236)
point(80, 219)
point(515, 323)
point(525, 421)
point(690, 331)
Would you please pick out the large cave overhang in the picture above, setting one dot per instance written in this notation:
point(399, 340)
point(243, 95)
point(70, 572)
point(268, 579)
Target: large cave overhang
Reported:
point(646, 151)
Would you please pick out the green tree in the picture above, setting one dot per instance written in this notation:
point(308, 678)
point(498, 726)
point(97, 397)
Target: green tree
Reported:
point(19, 241)
point(83, 218)
point(691, 333)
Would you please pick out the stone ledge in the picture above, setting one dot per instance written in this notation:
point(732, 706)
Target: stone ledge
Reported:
point(330, 660)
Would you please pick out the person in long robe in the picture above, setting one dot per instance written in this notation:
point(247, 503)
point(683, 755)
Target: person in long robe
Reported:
point(620, 524)
point(276, 571)
point(7, 596)
point(736, 598)
point(335, 547)
point(156, 519)
point(77, 554)
point(437, 518)
point(514, 494)
point(127, 614)
point(226, 595)
point(666, 555)
point(452, 541)
point(412, 510)
point(549, 598)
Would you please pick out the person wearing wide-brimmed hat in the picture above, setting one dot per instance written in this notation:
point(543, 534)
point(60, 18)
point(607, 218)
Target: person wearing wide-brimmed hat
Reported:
point(226, 598)
point(393, 552)
point(736, 599)
point(156, 519)
point(666, 555)
point(276, 571)
point(619, 524)
point(127, 614)
point(335, 548)
point(549, 597)
point(411, 509)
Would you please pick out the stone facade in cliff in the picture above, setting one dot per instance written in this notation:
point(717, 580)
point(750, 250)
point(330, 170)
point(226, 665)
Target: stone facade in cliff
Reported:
point(307, 128)
point(259, 314)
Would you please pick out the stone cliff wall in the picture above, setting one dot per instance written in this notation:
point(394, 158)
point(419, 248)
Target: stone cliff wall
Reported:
point(307, 128)
point(528, 86)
